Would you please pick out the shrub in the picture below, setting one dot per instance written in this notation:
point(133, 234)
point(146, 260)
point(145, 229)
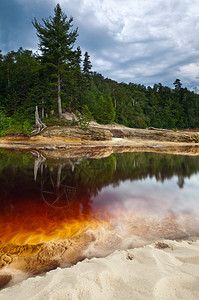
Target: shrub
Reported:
point(18, 123)
point(5, 123)
point(84, 118)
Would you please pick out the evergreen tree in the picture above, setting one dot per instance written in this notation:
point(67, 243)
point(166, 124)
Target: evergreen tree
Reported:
point(77, 58)
point(177, 84)
point(56, 41)
point(75, 81)
point(104, 110)
point(86, 64)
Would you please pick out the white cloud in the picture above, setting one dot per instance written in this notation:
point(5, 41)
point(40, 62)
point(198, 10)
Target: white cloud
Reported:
point(150, 41)
point(150, 37)
point(191, 71)
point(102, 64)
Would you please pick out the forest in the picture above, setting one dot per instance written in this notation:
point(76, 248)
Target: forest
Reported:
point(59, 78)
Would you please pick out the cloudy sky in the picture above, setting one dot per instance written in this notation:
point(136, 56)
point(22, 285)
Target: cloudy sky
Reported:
point(140, 41)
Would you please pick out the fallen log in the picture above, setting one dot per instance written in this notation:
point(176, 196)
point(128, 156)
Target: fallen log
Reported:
point(160, 129)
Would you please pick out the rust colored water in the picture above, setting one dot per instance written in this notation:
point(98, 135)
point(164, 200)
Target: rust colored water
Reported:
point(93, 206)
point(34, 221)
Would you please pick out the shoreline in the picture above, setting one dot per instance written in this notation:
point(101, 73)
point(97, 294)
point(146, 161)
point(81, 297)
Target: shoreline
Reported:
point(165, 269)
point(62, 147)
point(102, 140)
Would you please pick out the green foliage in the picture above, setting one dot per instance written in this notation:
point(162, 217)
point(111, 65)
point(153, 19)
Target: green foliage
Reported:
point(27, 127)
point(56, 38)
point(24, 127)
point(84, 118)
point(18, 123)
point(104, 111)
point(5, 123)
point(54, 121)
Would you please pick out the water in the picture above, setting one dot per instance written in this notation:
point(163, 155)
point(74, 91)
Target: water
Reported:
point(58, 211)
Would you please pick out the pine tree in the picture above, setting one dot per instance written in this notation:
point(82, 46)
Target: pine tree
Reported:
point(56, 41)
point(74, 80)
point(87, 64)
point(177, 84)
point(77, 58)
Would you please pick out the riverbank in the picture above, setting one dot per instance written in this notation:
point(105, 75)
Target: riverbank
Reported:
point(102, 140)
point(163, 270)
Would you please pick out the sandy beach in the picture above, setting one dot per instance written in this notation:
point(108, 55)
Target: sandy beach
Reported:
point(163, 270)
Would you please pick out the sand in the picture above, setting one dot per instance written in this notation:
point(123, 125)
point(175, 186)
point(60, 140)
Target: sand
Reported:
point(163, 270)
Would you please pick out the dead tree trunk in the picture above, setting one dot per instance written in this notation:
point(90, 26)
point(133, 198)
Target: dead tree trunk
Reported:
point(160, 129)
point(39, 125)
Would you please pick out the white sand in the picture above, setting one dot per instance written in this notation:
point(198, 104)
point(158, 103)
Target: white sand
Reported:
point(141, 273)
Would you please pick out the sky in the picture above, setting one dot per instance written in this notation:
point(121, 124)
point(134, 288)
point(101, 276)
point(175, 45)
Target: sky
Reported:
point(139, 41)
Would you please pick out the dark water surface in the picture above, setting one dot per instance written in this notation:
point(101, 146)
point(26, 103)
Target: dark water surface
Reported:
point(39, 197)
point(125, 198)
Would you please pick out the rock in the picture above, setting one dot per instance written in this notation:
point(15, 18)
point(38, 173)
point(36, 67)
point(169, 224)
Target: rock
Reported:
point(99, 134)
point(70, 116)
point(155, 134)
point(118, 133)
point(74, 133)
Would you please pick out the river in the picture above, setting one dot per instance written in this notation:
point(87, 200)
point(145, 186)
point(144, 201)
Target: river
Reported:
point(56, 212)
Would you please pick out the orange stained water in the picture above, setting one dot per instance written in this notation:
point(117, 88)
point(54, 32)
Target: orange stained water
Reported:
point(34, 222)
point(145, 208)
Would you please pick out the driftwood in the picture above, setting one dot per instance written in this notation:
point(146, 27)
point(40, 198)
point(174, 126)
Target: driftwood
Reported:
point(39, 125)
point(160, 129)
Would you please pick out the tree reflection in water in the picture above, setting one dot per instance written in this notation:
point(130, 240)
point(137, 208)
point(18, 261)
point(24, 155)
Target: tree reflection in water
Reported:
point(57, 193)
point(46, 199)
point(60, 181)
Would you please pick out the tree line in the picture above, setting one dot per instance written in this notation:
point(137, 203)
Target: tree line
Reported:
point(59, 78)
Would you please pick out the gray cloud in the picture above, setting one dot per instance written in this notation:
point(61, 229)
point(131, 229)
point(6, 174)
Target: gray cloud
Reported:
point(128, 40)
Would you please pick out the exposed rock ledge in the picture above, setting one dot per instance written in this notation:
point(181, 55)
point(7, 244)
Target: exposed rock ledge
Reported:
point(103, 133)
point(99, 140)
point(74, 133)
point(159, 135)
